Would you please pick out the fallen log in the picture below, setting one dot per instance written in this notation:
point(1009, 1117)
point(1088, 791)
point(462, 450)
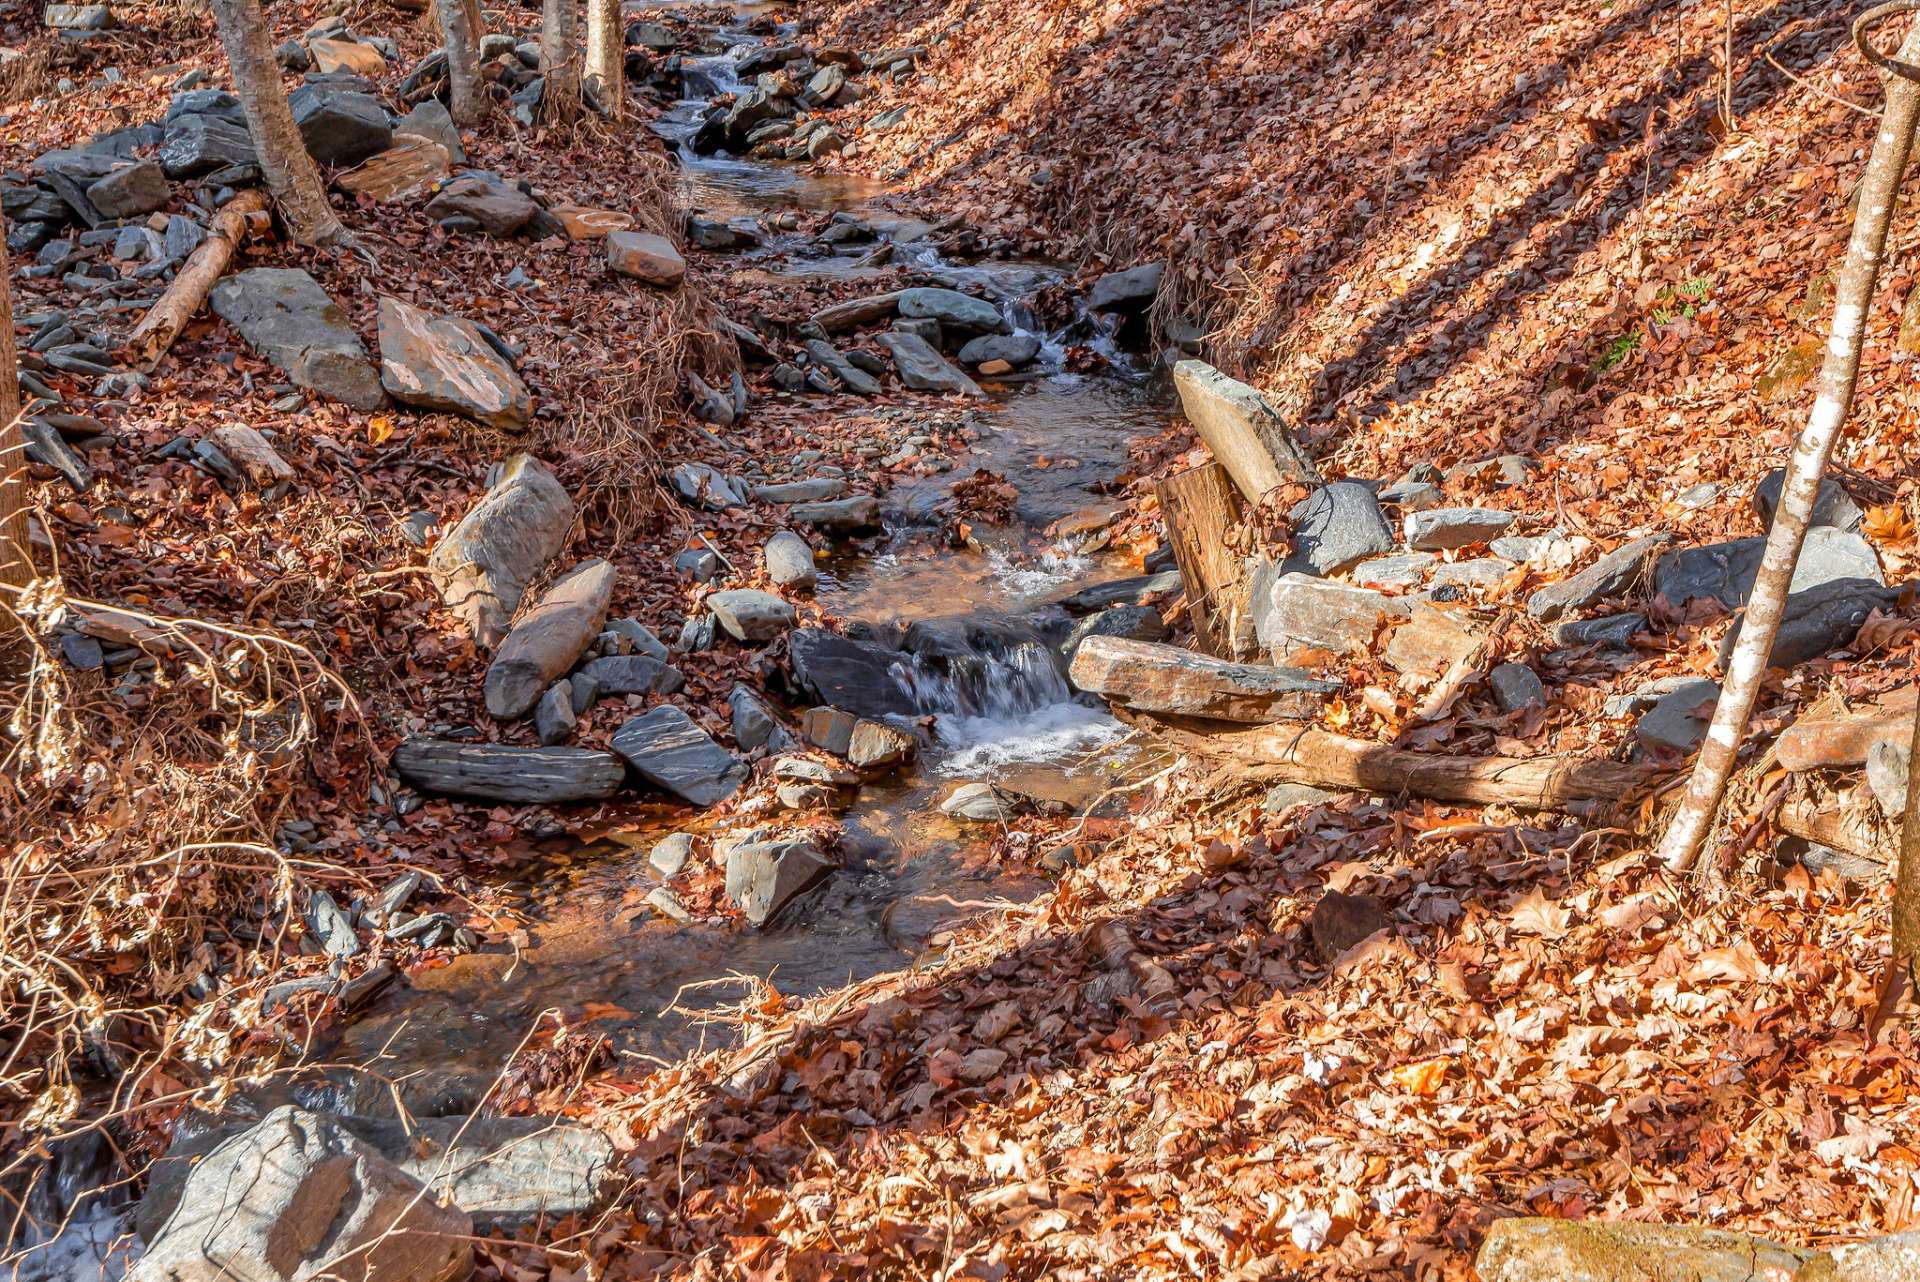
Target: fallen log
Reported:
point(1813, 742)
point(1305, 754)
point(162, 324)
point(1199, 508)
point(1857, 828)
point(1150, 677)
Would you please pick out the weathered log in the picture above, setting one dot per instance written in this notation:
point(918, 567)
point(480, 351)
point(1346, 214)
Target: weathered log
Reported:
point(1812, 742)
point(1857, 828)
point(1305, 754)
point(498, 772)
point(163, 322)
point(1162, 678)
point(1199, 508)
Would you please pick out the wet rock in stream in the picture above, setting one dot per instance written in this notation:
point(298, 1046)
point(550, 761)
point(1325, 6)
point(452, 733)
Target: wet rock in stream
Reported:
point(669, 751)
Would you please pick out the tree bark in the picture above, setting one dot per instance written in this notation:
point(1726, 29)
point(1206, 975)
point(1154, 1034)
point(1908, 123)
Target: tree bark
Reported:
point(607, 56)
point(1198, 507)
point(1304, 754)
point(16, 548)
point(460, 24)
point(1681, 843)
point(1906, 880)
point(169, 315)
point(560, 61)
point(292, 176)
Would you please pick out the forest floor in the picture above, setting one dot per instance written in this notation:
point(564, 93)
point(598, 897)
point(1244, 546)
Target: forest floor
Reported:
point(1431, 235)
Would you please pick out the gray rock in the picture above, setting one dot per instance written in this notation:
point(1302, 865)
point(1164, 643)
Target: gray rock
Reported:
point(646, 257)
point(813, 490)
point(340, 126)
point(182, 237)
point(285, 316)
point(296, 1196)
point(1893, 1258)
point(1015, 349)
point(1246, 434)
point(1516, 686)
point(1479, 572)
point(951, 307)
point(483, 566)
point(856, 312)
point(851, 377)
point(843, 672)
point(554, 719)
point(331, 927)
point(1678, 722)
point(754, 720)
point(127, 193)
point(854, 514)
point(702, 565)
point(1887, 776)
point(671, 853)
point(500, 772)
point(627, 674)
point(1131, 591)
point(751, 615)
point(1726, 571)
point(1613, 575)
point(1406, 570)
point(709, 487)
point(1337, 527)
point(1294, 611)
point(1821, 619)
point(1133, 622)
point(765, 876)
point(431, 120)
point(923, 369)
point(1413, 496)
point(447, 363)
point(975, 803)
point(669, 751)
point(876, 746)
point(639, 638)
point(497, 207)
point(1284, 796)
point(1131, 291)
point(1165, 679)
point(196, 145)
point(1833, 506)
point(1634, 702)
point(1441, 529)
point(790, 561)
point(1559, 1250)
point(79, 17)
point(829, 728)
point(82, 652)
point(1616, 630)
point(292, 55)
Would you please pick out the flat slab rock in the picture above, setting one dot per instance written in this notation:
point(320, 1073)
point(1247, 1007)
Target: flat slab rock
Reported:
point(483, 567)
point(1295, 611)
point(1612, 576)
point(923, 369)
point(1552, 1250)
point(1245, 433)
point(446, 363)
point(284, 315)
point(1725, 571)
point(501, 772)
point(547, 640)
point(402, 172)
point(751, 615)
point(1151, 677)
point(669, 751)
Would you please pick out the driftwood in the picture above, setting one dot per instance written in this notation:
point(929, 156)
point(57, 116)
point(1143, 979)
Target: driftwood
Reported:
point(497, 772)
point(166, 318)
point(1304, 754)
point(1199, 507)
point(1857, 828)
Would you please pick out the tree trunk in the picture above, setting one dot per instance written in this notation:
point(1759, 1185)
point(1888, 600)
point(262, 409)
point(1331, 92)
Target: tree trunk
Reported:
point(1198, 507)
point(1680, 844)
point(16, 550)
point(460, 24)
point(560, 61)
point(291, 174)
point(607, 56)
point(1906, 881)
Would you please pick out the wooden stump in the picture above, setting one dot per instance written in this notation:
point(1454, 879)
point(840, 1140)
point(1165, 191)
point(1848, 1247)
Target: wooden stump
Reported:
point(1200, 507)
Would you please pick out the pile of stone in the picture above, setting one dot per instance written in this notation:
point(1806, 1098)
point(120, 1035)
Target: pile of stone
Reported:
point(785, 88)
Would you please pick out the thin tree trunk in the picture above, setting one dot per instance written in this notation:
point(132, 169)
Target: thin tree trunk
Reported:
point(460, 27)
point(16, 550)
point(1906, 881)
point(607, 56)
point(560, 61)
point(292, 176)
point(1680, 844)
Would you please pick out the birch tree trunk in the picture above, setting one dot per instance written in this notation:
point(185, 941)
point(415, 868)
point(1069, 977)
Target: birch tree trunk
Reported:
point(291, 174)
point(607, 56)
point(560, 61)
point(460, 28)
point(1680, 844)
point(1906, 878)
point(16, 550)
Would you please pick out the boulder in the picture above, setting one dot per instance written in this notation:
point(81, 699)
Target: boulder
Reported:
point(484, 565)
point(499, 209)
point(856, 312)
point(431, 121)
point(855, 514)
point(923, 369)
point(765, 876)
point(709, 487)
point(402, 172)
point(1832, 507)
point(79, 17)
point(1516, 686)
point(628, 674)
point(853, 378)
point(1677, 722)
point(754, 721)
point(1613, 575)
point(1134, 622)
point(340, 126)
point(1337, 527)
point(197, 144)
point(1822, 619)
point(1149, 677)
point(1441, 529)
point(330, 56)
point(1726, 571)
point(446, 363)
point(751, 615)
point(1245, 433)
point(1015, 349)
point(875, 746)
point(1132, 290)
point(669, 751)
point(829, 728)
point(669, 855)
point(978, 803)
point(951, 307)
point(859, 676)
point(1555, 1250)
point(299, 1197)
point(1893, 1258)
point(285, 316)
point(499, 772)
point(790, 561)
point(130, 191)
point(1297, 611)
point(547, 640)
point(646, 257)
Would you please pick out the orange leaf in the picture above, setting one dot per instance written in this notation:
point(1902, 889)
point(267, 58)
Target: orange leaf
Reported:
point(1423, 1078)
